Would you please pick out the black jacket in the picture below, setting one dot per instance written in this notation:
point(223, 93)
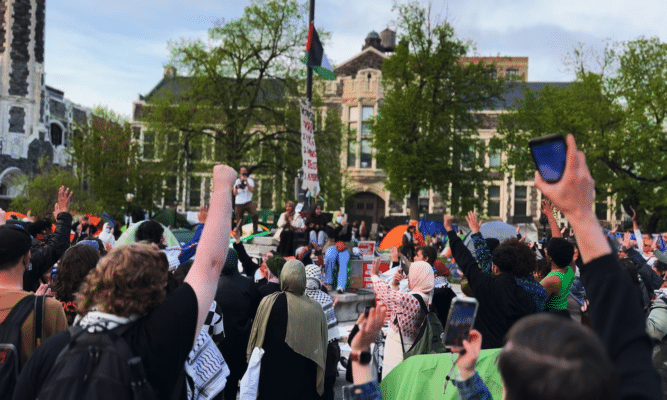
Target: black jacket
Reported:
point(618, 319)
point(502, 301)
point(43, 257)
point(248, 265)
point(238, 300)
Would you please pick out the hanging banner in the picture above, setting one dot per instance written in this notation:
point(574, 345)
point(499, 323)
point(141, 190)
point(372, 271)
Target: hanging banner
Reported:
point(308, 152)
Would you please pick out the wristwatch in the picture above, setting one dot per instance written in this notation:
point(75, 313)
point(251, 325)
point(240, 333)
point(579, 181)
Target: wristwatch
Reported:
point(362, 357)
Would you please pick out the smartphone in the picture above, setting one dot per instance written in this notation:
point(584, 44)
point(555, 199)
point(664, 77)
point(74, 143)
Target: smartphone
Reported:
point(549, 153)
point(460, 320)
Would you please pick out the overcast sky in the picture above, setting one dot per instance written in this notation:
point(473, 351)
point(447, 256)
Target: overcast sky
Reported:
point(108, 52)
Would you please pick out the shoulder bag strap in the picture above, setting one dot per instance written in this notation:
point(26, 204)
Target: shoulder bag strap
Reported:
point(422, 303)
point(39, 319)
point(400, 333)
point(20, 311)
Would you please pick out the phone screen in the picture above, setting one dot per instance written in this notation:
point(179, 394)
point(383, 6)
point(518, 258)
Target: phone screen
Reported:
point(550, 159)
point(460, 321)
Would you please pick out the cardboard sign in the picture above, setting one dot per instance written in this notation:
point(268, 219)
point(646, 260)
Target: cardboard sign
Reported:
point(367, 249)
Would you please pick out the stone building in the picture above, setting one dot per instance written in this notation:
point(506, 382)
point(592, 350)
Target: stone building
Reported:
point(36, 120)
point(359, 93)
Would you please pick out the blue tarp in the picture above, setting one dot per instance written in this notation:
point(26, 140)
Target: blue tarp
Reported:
point(431, 227)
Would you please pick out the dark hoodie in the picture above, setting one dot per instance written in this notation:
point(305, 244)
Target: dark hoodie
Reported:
point(502, 301)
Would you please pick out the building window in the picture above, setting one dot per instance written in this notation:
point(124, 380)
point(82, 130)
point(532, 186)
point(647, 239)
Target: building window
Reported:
point(511, 72)
point(423, 205)
point(56, 135)
point(366, 157)
point(149, 147)
point(366, 117)
point(369, 206)
point(520, 201)
point(170, 191)
point(494, 160)
point(493, 202)
point(266, 194)
point(136, 132)
point(360, 206)
point(601, 211)
point(352, 153)
point(354, 114)
point(395, 205)
point(195, 191)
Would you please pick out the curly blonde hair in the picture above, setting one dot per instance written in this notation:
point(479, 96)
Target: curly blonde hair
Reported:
point(129, 280)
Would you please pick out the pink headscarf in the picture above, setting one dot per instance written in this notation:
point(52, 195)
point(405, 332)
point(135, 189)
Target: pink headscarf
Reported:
point(421, 278)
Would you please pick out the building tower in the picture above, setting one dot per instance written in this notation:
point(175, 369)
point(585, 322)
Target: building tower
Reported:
point(22, 90)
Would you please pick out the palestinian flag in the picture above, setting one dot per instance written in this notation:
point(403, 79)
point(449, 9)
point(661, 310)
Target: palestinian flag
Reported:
point(315, 58)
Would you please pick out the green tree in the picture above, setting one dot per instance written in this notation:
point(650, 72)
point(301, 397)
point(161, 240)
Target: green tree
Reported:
point(617, 116)
point(239, 96)
point(40, 194)
point(108, 165)
point(426, 132)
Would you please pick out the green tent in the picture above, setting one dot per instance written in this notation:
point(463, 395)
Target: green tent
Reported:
point(423, 377)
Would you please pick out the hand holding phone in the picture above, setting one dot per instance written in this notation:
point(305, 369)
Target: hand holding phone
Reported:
point(549, 153)
point(460, 321)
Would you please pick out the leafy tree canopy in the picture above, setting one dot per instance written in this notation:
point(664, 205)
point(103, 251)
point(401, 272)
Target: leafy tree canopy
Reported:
point(426, 131)
point(238, 101)
point(617, 116)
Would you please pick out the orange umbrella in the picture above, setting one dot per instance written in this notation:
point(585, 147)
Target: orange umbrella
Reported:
point(18, 215)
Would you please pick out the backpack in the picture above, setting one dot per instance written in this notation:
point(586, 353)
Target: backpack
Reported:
point(10, 339)
point(98, 365)
point(429, 338)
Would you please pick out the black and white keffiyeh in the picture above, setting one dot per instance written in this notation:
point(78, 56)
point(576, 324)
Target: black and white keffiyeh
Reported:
point(314, 291)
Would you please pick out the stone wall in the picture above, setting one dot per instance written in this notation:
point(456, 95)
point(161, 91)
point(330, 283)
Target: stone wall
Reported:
point(3, 28)
point(20, 48)
point(40, 16)
point(17, 120)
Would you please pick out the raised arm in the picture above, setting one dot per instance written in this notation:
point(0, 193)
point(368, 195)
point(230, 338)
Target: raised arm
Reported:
point(548, 210)
point(615, 305)
point(212, 249)
point(482, 252)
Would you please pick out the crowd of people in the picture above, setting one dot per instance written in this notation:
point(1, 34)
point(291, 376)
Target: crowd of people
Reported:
point(102, 316)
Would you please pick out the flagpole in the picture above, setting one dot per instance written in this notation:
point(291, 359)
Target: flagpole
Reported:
point(309, 76)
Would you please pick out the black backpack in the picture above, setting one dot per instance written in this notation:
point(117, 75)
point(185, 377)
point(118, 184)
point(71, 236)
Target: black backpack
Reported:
point(10, 340)
point(98, 365)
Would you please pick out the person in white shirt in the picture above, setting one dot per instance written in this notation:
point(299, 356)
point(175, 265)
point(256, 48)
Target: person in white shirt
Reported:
point(243, 189)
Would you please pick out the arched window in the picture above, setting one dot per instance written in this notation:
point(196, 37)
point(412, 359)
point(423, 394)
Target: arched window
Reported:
point(56, 135)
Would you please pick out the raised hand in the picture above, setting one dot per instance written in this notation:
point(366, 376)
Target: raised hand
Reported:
point(547, 208)
point(448, 221)
point(394, 254)
point(473, 223)
point(64, 199)
point(625, 241)
point(375, 268)
point(203, 214)
point(468, 359)
point(369, 327)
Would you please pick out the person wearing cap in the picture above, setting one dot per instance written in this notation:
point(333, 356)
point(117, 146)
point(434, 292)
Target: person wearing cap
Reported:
point(15, 243)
